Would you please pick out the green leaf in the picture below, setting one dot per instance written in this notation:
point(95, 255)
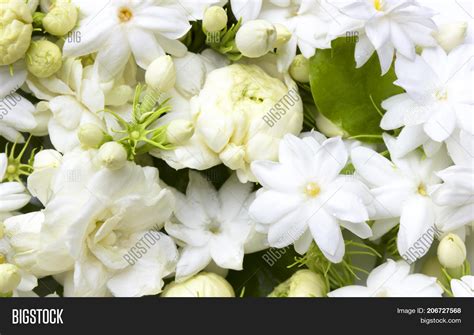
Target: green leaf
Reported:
point(348, 96)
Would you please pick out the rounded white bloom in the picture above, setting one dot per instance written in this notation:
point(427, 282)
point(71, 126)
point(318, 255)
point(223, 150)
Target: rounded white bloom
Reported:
point(256, 38)
point(299, 69)
point(451, 35)
point(215, 19)
point(10, 278)
point(212, 226)
point(161, 74)
point(15, 32)
point(61, 19)
point(118, 29)
point(203, 285)
point(304, 197)
point(304, 284)
point(112, 155)
point(102, 224)
point(402, 189)
point(437, 102)
point(179, 131)
point(392, 279)
point(90, 135)
point(463, 288)
point(451, 251)
point(243, 113)
point(43, 58)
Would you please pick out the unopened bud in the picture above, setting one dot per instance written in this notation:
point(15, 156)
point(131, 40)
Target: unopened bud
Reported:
point(304, 283)
point(451, 251)
point(90, 135)
point(43, 58)
point(283, 35)
point(215, 19)
point(203, 285)
point(112, 155)
point(299, 69)
point(256, 38)
point(161, 74)
point(61, 19)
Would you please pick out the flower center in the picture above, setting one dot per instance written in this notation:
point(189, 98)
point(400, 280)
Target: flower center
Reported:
point(312, 189)
point(441, 95)
point(422, 190)
point(125, 14)
point(378, 4)
point(214, 227)
point(11, 169)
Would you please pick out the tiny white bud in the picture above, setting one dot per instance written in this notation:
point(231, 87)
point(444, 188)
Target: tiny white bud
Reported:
point(256, 38)
point(112, 155)
point(450, 35)
point(61, 19)
point(283, 35)
point(299, 69)
point(203, 285)
point(215, 19)
point(43, 58)
point(10, 278)
point(179, 131)
point(47, 159)
point(161, 74)
point(303, 283)
point(327, 127)
point(451, 251)
point(90, 135)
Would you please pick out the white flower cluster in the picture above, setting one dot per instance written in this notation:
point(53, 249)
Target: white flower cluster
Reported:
point(151, 142)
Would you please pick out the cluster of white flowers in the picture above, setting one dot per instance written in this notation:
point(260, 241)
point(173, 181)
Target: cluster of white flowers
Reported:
point(151, 145)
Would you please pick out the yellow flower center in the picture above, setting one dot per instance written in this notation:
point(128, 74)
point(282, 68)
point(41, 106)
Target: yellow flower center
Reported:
point(125, 14)
point(312, 189)
point(378, 4)
point(11, 169)
point(422, 190)
point(441, 95)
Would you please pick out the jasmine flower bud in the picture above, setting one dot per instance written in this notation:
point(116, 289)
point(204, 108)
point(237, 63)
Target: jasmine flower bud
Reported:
point(15, 33)
point(179, 131)
point(283, 35)
point(161, 74)
point(43, 58)
point(90, 135)
point(299, 69)
point(61, 19)
point(304, 283)
point(215, 19)
point(9, 278)
point(451, 35)
point(47, 159)
point(451, 251)
point(203, 285)
point(327, 127)
point(112, 155)
point(256, 38)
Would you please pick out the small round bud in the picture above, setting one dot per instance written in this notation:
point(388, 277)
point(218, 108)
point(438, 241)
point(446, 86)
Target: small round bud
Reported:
point(283, 35)
point(43, 58)
point(451, 251)
point(161, 74)
point(90, 135)
point(112, 155)
point(203, 285)
point(179, 131)
point(10, 278)
point(215, 19)
point(46, 159)
point(299, 69)
point(304, 284)
point(256, 38)
point(15, 30)
point(61, 19)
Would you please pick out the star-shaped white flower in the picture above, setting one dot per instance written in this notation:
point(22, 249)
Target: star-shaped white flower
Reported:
point(13, 195)
point(304, 197)
point(401, 190)
point(438, 98)
point(213, 225)
point(117, 29)
point(392, 279)
point(386, 26)
point(464, 287)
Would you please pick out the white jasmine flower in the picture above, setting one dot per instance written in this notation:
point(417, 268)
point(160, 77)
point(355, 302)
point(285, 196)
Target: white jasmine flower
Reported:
point(392, 279)
point(13, 195)
point(387, 26)
point(100, 229)
point(464, 287)
point(401, 189)
point(212, 225)
point(304, 197)
point(437, 101)
point(117, 29)
point(243, 113)
point(16, 112)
